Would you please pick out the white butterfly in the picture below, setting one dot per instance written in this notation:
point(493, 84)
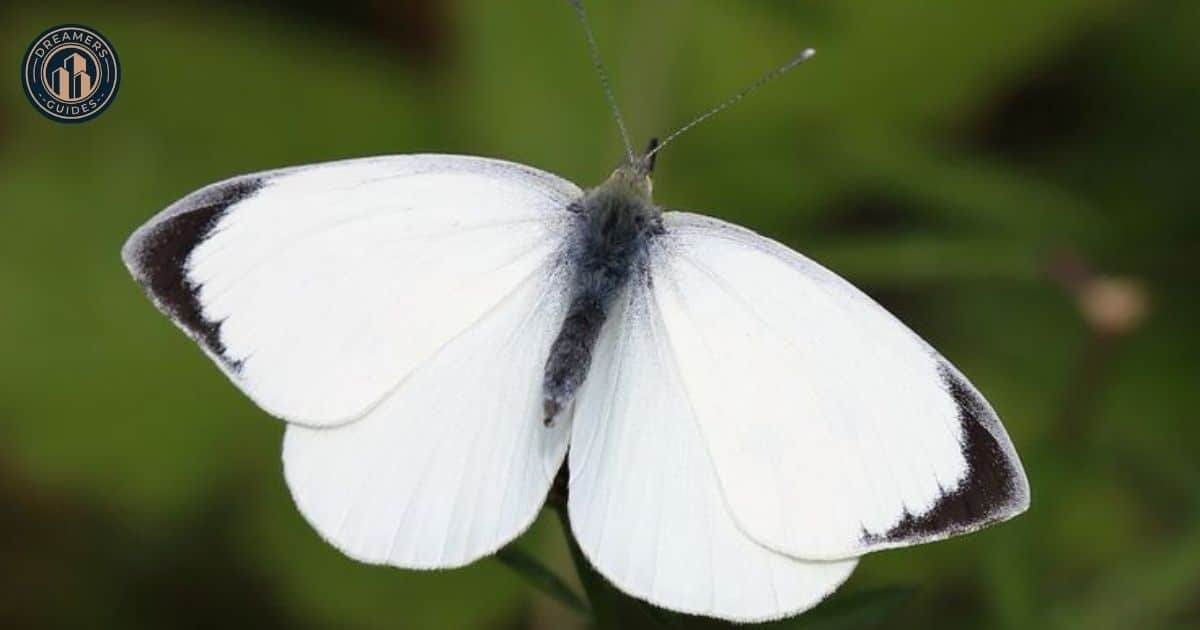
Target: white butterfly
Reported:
point(742, 423)
point(750, 424)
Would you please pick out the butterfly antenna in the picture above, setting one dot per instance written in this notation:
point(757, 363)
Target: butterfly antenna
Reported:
point(804, 55)
point(604, 84)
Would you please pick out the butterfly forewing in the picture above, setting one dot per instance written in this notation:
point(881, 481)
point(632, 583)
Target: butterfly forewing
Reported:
point(834, 429)
point(318, 288)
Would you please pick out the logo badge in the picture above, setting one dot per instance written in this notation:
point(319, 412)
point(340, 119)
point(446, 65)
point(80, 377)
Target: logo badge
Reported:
point(71, 73)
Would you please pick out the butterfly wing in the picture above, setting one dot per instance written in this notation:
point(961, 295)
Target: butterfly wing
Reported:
point(833, 429)
point(645, 502)
point(317, 289)
point(455, 462)
point(416, 295)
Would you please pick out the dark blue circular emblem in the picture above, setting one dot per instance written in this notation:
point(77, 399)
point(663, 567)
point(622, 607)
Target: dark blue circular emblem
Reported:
point(71, 73)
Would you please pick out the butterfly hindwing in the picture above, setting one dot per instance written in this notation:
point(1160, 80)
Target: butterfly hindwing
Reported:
point(452, 464)
point(645, 503)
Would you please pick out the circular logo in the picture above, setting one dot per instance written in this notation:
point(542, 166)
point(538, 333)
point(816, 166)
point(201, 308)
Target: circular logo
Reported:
point(71, 73)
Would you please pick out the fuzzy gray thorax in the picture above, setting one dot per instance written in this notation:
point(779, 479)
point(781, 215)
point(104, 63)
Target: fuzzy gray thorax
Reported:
point(616, 221)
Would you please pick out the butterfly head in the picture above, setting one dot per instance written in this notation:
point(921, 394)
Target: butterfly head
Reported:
point(632, 179)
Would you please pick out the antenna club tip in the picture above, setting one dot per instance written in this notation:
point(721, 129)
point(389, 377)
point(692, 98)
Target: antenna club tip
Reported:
point(808, 53)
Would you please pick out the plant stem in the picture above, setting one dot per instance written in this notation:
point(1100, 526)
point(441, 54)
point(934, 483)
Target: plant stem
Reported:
point(543, 579)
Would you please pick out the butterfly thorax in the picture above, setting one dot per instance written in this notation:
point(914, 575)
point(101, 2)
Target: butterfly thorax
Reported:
point(615, 223)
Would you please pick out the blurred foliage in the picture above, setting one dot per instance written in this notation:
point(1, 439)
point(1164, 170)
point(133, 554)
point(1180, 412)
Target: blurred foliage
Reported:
point(941, 155)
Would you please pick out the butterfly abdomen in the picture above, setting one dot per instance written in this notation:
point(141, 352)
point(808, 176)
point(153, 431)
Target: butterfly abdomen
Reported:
point(614, 227)
point(571, 354)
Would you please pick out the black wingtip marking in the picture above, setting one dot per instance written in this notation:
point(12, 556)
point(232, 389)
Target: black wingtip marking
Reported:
point(160, 258)
point(991, 489)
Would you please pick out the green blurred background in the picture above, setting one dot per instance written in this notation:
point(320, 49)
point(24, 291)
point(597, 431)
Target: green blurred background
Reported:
point(1015, 180)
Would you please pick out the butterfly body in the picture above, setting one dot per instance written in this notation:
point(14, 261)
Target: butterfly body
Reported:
point(609, 240)
point(739, 423)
